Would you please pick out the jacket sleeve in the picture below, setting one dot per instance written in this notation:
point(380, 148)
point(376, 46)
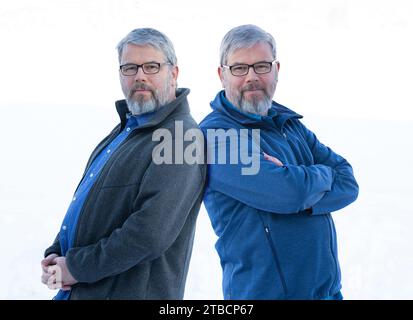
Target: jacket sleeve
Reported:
point(344, 189)
point(284, 190)
point(54, 248)
point(167, 194)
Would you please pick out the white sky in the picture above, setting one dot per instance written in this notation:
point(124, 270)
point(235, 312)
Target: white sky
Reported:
point(349, 58)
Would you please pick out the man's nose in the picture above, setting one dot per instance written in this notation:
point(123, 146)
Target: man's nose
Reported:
point(251, 75)
point(140, 75)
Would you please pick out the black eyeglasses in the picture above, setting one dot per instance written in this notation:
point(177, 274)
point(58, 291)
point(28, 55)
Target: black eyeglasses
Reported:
point(242, 69)
point(131, 69)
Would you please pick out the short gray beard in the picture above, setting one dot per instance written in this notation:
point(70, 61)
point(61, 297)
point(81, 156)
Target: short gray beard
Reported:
point(256, 106)
point(137, 107)
point(159, 98)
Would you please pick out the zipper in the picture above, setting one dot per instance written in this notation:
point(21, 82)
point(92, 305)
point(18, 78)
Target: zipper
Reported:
point(332, 251)
point(277, 262)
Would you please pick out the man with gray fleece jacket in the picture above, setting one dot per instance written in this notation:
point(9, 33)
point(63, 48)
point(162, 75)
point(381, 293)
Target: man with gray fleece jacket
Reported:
point(129, 230)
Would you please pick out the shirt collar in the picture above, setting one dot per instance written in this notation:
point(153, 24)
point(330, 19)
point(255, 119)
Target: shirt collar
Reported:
point(140, 119)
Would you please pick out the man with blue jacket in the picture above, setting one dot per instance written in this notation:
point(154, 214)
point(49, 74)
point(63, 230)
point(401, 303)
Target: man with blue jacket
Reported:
point(276, 235)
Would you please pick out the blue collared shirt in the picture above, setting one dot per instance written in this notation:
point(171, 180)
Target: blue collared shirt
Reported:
point(69, 224)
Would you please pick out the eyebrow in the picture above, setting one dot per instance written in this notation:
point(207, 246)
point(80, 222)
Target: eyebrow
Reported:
point(235, 63)
point(152, 61)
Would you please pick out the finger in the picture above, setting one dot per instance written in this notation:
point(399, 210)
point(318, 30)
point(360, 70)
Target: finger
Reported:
point(279, 162)
point(44, 263)
point(58, 285)
point(45, 267)
point(52, 269)
point(45, 277)
point(268, 157)
point(275, 160)
point(55, 259)
point(53, 284)
point(49, 258)
point(51, 281)
point(48, 261)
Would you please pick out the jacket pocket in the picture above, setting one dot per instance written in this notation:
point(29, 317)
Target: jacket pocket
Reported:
point(277, 261)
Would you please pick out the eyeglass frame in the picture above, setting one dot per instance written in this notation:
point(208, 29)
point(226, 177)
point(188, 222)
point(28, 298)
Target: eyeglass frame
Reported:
point(249, 66)
point(141, 66)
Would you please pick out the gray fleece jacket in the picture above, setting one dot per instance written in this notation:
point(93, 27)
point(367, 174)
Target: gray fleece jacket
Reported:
point(136, 229)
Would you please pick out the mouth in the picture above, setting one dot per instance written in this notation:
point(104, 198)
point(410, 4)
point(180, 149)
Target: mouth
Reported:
point(252, 87)
point(138, 94)
point(253, 91)
point(141, 91)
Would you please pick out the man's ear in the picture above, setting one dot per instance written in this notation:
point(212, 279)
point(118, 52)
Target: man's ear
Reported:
point(221, 76)
point(175, 72)
point(277, 66)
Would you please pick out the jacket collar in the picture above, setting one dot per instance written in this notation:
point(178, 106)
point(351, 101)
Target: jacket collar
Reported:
point(278, 113)
point(180, 104)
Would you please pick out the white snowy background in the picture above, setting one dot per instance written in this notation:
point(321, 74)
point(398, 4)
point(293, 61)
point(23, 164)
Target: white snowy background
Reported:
point(346, 65)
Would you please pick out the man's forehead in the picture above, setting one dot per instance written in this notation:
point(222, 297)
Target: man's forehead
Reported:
point(142, 51)
point(258, 52)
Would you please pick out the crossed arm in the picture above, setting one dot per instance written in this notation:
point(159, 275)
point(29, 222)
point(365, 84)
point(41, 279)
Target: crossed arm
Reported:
point(323, 187)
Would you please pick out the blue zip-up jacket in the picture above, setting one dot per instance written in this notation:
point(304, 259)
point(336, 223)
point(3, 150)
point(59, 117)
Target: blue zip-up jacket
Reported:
point(276, 236)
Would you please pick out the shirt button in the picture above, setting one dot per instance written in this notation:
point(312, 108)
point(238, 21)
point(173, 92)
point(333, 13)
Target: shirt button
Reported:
point(285, 135)
point(91, 175)
point(64, 227)
point(108, 151)
point(128, 129)
point(74, 198)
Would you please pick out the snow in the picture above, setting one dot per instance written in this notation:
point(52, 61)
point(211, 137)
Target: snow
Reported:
point(345, 65)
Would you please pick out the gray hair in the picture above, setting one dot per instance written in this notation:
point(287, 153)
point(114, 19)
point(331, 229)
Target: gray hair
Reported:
point(151, 37)
point(244, 36)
